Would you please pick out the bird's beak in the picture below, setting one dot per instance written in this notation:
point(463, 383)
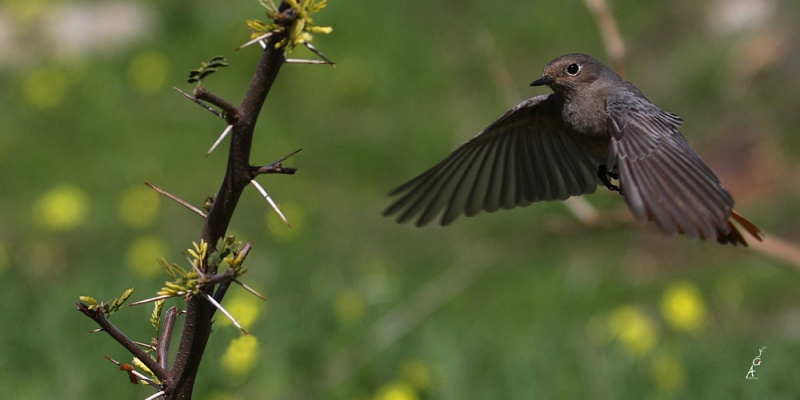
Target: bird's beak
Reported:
point(544, 80)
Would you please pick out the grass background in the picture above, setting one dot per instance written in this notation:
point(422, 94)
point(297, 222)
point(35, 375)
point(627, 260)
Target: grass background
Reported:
point(518, 304)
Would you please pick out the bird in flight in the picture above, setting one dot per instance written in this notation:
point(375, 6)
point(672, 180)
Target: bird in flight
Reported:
point(594, 127)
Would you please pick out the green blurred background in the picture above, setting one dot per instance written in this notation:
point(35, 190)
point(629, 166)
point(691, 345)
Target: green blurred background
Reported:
point(522, 304)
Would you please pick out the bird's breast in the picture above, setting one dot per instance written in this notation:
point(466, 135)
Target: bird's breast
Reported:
point(586, 123)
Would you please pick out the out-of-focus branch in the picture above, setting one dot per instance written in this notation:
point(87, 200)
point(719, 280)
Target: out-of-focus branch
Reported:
point(779, 249)
point(406, 316)
point(615, 46)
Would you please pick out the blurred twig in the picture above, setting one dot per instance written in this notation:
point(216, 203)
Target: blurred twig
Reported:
point(779, 248)
point(405, 317)
point(615, 46)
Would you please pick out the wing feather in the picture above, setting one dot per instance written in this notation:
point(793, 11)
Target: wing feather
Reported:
point(663, 178)
point(523, 157)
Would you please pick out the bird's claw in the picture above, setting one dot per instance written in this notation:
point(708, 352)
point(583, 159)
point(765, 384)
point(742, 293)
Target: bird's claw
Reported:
point(603, 174)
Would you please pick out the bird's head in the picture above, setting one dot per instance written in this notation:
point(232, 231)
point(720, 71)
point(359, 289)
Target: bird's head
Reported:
point(569, 73)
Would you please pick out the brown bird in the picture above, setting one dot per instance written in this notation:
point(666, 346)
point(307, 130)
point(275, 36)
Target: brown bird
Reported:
point(595, 126)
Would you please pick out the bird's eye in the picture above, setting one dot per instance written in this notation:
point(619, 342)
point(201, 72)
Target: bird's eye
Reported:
point(573, 69)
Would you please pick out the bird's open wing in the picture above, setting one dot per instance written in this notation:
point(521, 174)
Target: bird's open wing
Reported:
point(662, 177)
point(523, 157)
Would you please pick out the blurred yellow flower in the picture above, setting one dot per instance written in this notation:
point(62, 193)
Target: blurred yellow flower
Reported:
point(683, 307)
point(241, 356)
point(349, 306)
point(138, 206)
point(148, 71)
point(244, 306)
point(45, 87)
point(296, 216)
point(416, 373)
point(142, 254)
point(396, 391)
point(668, 373)
point(634, 329)
point(62, 208)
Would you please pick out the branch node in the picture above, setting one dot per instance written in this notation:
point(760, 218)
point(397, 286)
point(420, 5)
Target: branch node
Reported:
point(230, 112)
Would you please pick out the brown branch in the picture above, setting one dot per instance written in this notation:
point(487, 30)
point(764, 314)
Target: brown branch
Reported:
point(166, 336)
point(123, 340)
point(615, 46)
point(197, 326)
point(204, 105)
point(276, 167)
point(178, 383)
point(272, 169)
point(230, 111)
point(221, 277)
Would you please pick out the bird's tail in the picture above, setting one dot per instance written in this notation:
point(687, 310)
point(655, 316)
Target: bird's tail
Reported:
point(735, 237)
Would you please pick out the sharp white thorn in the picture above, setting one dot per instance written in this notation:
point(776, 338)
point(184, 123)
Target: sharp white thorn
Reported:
point(271, 203)
point(259, 39)
point(304, 61)
point(155, 396)
point(222, 136)
point(150, 300)
point(318, 53)
point(222, 310)
point(249, 289)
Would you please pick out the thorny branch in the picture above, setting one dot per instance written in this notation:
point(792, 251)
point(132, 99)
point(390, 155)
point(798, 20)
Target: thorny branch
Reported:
point(197, 327)
point(178, 383)
point(99, 317)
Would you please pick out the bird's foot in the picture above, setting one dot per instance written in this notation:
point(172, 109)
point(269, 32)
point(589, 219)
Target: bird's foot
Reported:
point(603, 173)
